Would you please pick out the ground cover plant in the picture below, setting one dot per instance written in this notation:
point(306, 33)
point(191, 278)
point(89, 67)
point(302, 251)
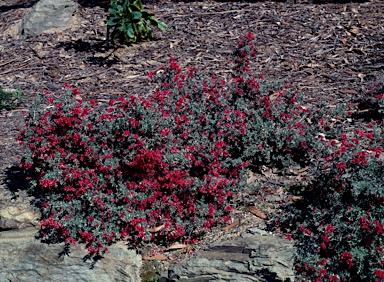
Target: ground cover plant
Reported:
point(167, 167)
point(340, 224)
point(171, 162)
point(10, 99)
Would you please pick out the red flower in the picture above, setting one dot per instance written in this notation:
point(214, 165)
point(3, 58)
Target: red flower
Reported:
point(379, 273)
point(67, 86)
point(75, 91)
point(341, 165)
point(323, 262)
point(330, 228)
point(346, 259)
point(378, 229)
point(322, 272)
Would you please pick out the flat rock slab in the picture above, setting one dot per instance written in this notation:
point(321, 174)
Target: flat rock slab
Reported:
point(18, 217)
point(48, 15)
point(24, 259)
point(252, 257)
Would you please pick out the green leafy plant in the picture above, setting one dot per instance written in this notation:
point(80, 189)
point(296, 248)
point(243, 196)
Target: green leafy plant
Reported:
point(130, 22)
point(10, 99)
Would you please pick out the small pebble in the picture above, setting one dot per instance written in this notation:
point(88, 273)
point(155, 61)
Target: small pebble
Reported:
point(257, 231)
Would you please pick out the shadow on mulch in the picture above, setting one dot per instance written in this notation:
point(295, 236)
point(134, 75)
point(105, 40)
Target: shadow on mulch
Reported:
point(15, 179)
point(80, 46)
point(20, 4)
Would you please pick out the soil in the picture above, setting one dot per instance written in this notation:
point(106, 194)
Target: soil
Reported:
point(331, 52)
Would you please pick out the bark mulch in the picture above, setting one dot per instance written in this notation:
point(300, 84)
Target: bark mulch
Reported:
point(332, 52)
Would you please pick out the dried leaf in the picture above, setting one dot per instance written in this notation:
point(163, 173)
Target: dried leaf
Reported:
point(348, 91)
point(297, 198)
point(345, 41)
point(19, 110)
point(299, 171)
point(355, 31)
point(257, 212)
point(155, 257)
point(251, 178)
point(273, 96)
point(231, 226)
point(351, 72)
point(156, 229)
point(176, 247)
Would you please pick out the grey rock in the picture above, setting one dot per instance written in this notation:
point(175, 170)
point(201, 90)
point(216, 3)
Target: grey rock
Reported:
point(257, 231)
point(251, 257)
point(18, 217)
point(48, 15)
point(16, 212)
point(24, 258)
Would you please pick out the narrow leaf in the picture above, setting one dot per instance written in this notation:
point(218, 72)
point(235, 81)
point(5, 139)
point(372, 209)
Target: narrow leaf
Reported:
point(155, 257)
point(176, 247)
point(162, 25)
point(231, 226)
point(257, 212)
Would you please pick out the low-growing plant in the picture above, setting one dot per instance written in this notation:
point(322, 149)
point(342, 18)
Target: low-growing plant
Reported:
point(130, 22)
point(174, 160)
point(281, 129)
point(339, 225)
point(10, 99)
point(111, 173)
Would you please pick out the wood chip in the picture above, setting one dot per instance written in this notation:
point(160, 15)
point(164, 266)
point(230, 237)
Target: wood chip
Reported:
point(231, 226)
point(348, 91)
point(176, 246)
point(299, 171)
point(155, 257)
point(257, 212)
point(297, 198)
point(251, 178)
point(156, 229)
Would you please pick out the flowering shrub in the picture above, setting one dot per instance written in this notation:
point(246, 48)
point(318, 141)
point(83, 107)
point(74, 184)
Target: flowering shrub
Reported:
point(173, 160)
point(340, 231)
point(108, 173)
point(280, 131)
